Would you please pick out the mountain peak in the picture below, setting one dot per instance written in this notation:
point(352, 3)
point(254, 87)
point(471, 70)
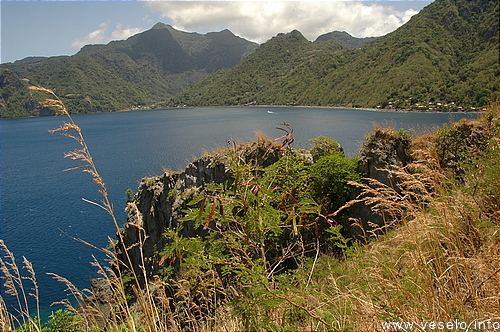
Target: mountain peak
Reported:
point(160, 25)
point(345, 39)
point(221, 34)
point(149, 66)
point(296, 34)
point(292, 36)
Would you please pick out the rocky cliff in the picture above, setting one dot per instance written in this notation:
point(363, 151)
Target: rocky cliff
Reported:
point(160, 200)
point(382, 150)
point(383, 153)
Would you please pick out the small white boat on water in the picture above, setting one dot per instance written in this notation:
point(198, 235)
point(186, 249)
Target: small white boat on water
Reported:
point(270, 112)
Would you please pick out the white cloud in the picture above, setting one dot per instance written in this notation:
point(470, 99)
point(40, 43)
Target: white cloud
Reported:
point(100, 35)
point(123, 33)
point(408, 14)
point(94, 37)
point(261, 20)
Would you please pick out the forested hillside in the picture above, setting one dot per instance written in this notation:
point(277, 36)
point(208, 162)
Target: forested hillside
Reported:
point(445, 58)
point(445, 55)
point(138, 72)
point(345, 39)
point(261, 74)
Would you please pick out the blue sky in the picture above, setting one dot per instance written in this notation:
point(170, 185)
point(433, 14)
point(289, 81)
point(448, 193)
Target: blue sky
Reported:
point(50, 28)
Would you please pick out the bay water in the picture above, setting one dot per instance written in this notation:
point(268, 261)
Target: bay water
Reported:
point(42, 207)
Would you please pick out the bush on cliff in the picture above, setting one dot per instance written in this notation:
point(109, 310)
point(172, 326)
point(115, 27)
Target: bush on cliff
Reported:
point(331, 175)
point(266, 272)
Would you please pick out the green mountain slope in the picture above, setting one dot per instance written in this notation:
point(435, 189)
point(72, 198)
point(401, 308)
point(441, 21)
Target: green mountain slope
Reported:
point(445, 57)
point(146, 68)
point(448, 53)
point(345, 39)
point(263, 71)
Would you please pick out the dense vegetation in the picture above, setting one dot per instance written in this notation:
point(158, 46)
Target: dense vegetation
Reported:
point(445, 55)
point(135, 73)
point(444, 58)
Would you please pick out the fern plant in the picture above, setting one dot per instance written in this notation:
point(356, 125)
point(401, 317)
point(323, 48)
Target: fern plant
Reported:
point(261, 224)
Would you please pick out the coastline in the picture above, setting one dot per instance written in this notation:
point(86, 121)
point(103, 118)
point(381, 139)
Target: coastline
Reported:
point(388, 110)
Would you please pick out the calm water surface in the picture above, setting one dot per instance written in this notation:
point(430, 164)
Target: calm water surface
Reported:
point(40, 203)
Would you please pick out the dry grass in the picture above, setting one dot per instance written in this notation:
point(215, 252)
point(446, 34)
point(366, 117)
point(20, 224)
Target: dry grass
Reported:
point(260, 152)
point(441, 263)
point(438, 266)
point(16, 284)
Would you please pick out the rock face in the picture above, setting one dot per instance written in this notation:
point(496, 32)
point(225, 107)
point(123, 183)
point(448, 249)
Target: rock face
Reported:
point(102, 291)
point(101, 301)
point(159, 202)
point(382, 151)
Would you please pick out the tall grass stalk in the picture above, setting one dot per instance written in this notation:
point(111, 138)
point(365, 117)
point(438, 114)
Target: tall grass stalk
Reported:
point(14, 283)
point(5, 317)
point(83, 154)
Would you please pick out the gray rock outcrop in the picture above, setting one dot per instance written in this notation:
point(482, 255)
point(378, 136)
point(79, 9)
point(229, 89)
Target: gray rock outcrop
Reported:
point(383, 151)
point(160, 200)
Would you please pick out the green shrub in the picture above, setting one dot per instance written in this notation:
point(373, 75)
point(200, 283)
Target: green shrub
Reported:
point(330, 176)
point(459, 145)
point(62, 321)
point(323, 146)
point(288, 178)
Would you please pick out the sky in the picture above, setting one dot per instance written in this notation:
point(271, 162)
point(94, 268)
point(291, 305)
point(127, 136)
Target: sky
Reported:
point(51, 28)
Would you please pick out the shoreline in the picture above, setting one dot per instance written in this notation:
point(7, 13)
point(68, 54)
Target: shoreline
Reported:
point(400, 110)
point(264, 106)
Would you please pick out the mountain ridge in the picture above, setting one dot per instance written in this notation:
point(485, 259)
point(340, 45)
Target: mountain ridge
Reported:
point(345, 39)
point(443, 58)
point(137, 72)
point(445, 55)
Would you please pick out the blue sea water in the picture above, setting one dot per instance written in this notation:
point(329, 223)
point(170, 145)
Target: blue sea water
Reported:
point(42, 207)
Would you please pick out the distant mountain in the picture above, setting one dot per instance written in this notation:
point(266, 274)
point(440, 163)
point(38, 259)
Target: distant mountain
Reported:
point(345, 39)
point(445, 55)
point(31, 59)
point(142, 70)
point(261, 76)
